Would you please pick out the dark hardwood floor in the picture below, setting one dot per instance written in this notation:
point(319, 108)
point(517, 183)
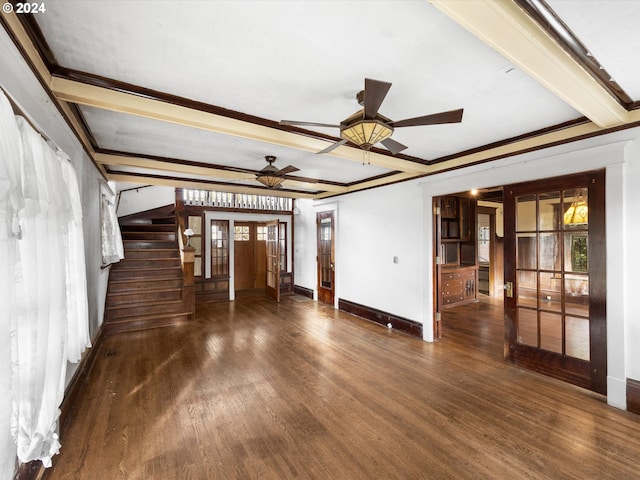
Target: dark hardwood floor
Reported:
point(255, 389)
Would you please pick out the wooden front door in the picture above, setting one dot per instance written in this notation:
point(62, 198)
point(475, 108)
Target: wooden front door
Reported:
point(326, 257)
point(249, 258)
point(555, 271)
point(272, 287)
point(244, 255)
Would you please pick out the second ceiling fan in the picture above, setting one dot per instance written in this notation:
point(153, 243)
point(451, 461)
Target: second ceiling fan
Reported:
point(367, 127)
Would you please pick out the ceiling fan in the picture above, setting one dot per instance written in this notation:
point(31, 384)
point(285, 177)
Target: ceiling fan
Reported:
point(271, 176)
point(367, 127)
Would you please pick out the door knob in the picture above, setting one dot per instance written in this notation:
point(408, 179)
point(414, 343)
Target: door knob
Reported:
point(508, 288)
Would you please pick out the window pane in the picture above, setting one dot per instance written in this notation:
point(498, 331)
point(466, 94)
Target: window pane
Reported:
point(551, 291)
point(197, 267)
point(219, 247)
point(196, 242)
point(549, 211)
point(576, 256)
point(527, 251)
point(527, 327)
point(576, 294)
point(576, 209)
point(577, 337)
point(551, 331)
point(526, 213)
point(195, 224)
point(527, 289)
point(550, 251)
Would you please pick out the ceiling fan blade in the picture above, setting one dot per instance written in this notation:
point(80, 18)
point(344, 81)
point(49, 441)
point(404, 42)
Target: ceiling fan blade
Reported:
point(307, 124)
point(374, 93)
point(453, 116)
point(302, 179)
point(288, 169)
point(332, 147)
point(393, 146)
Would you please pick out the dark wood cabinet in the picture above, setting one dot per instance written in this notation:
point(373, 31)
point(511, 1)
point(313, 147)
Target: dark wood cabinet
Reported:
point(459, 285)
point(458, 282)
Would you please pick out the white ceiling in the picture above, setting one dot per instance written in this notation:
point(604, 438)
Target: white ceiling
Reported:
point(306, 60)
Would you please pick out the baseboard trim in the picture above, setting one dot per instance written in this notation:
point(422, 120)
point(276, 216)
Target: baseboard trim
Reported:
point(633, 396)
point(304, 291)
point(74, 387)
point(401, 324)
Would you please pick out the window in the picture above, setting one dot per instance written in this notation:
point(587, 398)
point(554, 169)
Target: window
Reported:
point(262, 233)
point(219, 248)
point(241, 233)
point(282, 238)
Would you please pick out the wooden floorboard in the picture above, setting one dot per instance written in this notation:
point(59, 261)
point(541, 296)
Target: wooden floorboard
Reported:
point(255, 389)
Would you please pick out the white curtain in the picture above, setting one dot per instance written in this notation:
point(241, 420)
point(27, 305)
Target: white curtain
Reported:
point(11, 202)
point(47, 319)
point(112, 247)
point(78, 338)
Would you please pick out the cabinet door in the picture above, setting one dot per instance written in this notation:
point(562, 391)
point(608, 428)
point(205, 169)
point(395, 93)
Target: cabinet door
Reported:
point(467, 216)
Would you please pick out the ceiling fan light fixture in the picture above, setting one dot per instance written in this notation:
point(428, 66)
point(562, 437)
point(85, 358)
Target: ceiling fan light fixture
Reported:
point(270, 181)
point(365, 132)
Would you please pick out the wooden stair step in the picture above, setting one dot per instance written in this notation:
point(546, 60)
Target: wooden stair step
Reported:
point(137, 284)
point(144, 322)
point(141, 273)
point(147, 263)
point(117, 299)
point(161, 220)
point(150, 244)
point(148, 227)
point(138, 235)
point(152, 253)
point(144, 308)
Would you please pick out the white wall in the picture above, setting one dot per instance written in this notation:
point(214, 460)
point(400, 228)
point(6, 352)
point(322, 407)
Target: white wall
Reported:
point(144, 198)
point(377, 224)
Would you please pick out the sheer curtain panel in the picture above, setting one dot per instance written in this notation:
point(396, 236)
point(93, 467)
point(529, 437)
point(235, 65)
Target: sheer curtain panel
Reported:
point(46, 322)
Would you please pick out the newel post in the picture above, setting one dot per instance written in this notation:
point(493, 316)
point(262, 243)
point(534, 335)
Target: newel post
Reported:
point(188, 282)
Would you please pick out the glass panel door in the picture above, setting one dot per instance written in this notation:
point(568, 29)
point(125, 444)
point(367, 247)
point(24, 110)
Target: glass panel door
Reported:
point(549, 322)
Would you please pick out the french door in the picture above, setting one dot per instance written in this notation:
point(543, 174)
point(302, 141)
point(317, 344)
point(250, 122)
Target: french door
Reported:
point(272, 287)
point(326, 257)
point(555, 270)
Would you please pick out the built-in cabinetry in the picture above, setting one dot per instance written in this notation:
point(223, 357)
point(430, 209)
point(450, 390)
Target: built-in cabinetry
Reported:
point(458, 282)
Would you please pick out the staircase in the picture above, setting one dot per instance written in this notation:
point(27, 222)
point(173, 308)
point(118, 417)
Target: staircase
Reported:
point(145, 289)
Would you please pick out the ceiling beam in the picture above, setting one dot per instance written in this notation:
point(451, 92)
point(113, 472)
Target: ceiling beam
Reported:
point(377, 182)
point(213, 173)
point(100, 97)
point(509, 30)
point(194, 184)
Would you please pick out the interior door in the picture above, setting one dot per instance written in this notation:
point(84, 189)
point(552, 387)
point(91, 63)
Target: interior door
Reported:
point(555, 271)
point(326, 257)
point(244, 256)
point(272, 287)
